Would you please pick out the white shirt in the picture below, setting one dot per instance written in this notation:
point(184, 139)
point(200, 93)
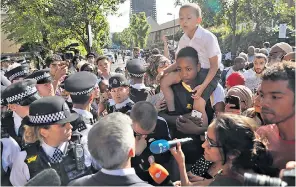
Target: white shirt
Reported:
point(218, 95)
point(9, 153)
point(119, 172)
point(123, 104)
point(252, 79)
point(206, 45)
point(139, 86)
point(17, 122)
point(230, 71)
point(20, 174)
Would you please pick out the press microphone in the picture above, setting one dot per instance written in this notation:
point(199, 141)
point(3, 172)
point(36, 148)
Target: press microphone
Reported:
point(162, 146)
point(47, 177)
point(159, 174)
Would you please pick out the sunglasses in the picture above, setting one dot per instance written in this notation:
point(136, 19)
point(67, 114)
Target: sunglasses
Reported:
point(211, 144)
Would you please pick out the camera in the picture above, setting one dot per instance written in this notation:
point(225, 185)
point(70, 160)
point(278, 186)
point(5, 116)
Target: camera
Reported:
point(288, 179)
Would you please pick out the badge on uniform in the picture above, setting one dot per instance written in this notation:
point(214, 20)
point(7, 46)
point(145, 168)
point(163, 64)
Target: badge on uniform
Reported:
point(114, 81)
point(32, 159)
point(189, 106)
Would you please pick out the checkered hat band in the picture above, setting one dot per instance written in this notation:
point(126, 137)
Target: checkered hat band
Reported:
point(82, 92)
point(2, 101)
point(48, 118)
point(29, 91)
point(18, 74)
point(40, 77)
point(136, 75)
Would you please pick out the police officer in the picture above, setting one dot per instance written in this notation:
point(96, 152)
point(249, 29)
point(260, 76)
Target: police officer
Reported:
point(119, 90)
point(136, 71)
point(5, 62)
point(44, 82)
point(9, 149)
point(82, 87)
point(48, 129)
point(18, 96)
point(17, 74)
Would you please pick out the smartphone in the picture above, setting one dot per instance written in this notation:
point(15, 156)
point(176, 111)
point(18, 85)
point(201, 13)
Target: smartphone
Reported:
point(196, 114)
point(233, 100)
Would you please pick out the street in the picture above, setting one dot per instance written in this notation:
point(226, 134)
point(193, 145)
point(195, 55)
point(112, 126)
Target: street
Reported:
point(119, 63)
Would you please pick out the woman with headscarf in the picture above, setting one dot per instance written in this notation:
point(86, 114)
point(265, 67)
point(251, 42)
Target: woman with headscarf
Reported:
point(245, 96)
point(156, 64)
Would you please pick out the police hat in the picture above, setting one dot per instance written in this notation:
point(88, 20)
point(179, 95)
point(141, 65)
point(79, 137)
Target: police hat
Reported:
point(80, 83)
point(41, 76)
point(17, 72)
point(136, 68)
point(3, 101)
point(90, 54)
point(48, 111)
point(22, 61)
point(118, 80)
point(5, 58)
point(22, 93)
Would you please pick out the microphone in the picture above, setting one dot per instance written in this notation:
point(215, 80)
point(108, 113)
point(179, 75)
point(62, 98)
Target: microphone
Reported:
point(160, 175)
point(162, 146)
point(47, 177)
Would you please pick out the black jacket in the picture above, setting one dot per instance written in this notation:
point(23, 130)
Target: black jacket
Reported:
point(102, 179)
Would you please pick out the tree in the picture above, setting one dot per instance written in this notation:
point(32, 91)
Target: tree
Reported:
point(116, 38)
point(55, 21)
point(126, 38)
point(139, 28)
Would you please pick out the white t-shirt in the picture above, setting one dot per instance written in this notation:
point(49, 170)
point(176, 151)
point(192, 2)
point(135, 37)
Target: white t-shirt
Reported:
point(206, 45)
point(252, 79)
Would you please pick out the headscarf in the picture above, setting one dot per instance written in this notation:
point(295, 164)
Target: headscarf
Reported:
point(244, 93)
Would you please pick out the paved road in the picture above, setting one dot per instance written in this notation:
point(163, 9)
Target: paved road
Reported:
point(119, 63)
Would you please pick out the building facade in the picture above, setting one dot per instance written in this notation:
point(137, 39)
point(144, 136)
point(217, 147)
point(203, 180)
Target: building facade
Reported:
point(147, 6)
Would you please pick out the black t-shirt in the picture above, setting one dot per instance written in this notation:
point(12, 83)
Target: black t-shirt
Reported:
point(140, 163)
point(183, 105)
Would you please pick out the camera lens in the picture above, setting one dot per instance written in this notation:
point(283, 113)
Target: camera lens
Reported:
point(262, 180)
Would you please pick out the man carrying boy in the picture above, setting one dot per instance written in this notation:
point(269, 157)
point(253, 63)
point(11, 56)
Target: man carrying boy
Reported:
point(206, 44)
point(119, 89)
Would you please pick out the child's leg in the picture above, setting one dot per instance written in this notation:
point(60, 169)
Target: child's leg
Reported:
point(200, 105)
point(165, 86)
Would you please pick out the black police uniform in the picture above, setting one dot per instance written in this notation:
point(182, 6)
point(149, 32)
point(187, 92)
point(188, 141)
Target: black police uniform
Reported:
point(118, 80)
point(17, 72)
point(136, 69)
point(81, 85)
point(141, 164)
point(22, 93)
point(69, 161)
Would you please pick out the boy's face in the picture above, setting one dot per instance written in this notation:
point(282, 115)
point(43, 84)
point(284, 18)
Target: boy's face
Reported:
point(187, 69)
point(120, 94)
point(259, 64)
point(188, 19)
point(104, 66)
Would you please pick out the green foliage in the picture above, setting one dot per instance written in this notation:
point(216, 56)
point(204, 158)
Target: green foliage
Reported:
point(139, 29)
point(126, 38)
point(116, 38)
point(53, 23)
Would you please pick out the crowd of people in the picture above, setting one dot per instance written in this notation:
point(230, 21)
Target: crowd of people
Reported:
point(88, 126)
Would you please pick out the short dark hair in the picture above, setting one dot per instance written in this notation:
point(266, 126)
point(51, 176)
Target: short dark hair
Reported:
point(102, 58)
point(188, 52)
point(81, 99)
point(284, 71)
point(145, 114)
point(261, 55)
point(52, 58)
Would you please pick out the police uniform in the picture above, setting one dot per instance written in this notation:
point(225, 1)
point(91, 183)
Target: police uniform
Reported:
point(81, 85)
point(41, 76)
point(9, 149)
point(21, 93)
point(136, 69)
point(141, 164)
point(17, 72)
point(125, 107)
point(69, 159)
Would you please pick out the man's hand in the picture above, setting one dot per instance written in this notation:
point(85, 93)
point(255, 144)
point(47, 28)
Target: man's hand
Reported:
point(198, 91)
point(61, 71)
point(160, 105)
point(159, 76)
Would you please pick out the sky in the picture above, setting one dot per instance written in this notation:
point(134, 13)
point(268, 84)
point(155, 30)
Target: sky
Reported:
point(117, 24)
